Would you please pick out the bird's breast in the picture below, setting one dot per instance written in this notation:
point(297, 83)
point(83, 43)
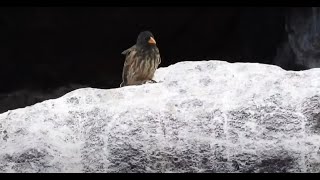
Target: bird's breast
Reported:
point(145, 65)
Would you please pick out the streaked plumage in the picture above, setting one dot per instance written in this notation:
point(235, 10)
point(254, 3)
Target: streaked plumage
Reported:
point(142, 60)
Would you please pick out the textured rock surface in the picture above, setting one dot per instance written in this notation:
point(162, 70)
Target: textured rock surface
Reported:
point(208, 116)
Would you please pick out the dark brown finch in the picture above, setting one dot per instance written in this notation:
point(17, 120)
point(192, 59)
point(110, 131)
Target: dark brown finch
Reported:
point(142, 60)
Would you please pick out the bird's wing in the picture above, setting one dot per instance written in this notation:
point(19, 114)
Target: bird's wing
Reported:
point(130, 53)
point(159, 62)
point(125, 52)
point(158, 57)
point(130, 56)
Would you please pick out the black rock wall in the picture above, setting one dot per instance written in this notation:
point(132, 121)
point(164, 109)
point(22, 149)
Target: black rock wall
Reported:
point(301, 50)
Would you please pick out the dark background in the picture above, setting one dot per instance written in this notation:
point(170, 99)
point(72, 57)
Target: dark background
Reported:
point(45, 48)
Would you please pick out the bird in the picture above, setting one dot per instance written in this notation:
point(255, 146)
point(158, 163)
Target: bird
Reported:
point(141, 61)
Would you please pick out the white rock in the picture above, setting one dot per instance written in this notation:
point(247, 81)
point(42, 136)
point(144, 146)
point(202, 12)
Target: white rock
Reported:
point(207, 116)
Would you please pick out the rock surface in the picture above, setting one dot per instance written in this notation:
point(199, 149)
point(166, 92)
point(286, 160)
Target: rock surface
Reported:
point(208, 116)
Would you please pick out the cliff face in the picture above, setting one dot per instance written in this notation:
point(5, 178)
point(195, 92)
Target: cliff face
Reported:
point(207, 116)
point(302, 47)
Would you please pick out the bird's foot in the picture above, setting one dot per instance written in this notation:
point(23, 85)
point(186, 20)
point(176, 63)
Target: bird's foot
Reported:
point(150, 81)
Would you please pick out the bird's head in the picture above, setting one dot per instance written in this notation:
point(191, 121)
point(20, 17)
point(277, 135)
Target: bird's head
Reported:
point(146, 39)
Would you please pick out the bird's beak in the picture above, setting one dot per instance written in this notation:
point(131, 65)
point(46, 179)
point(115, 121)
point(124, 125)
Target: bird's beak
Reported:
point(152, 41)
